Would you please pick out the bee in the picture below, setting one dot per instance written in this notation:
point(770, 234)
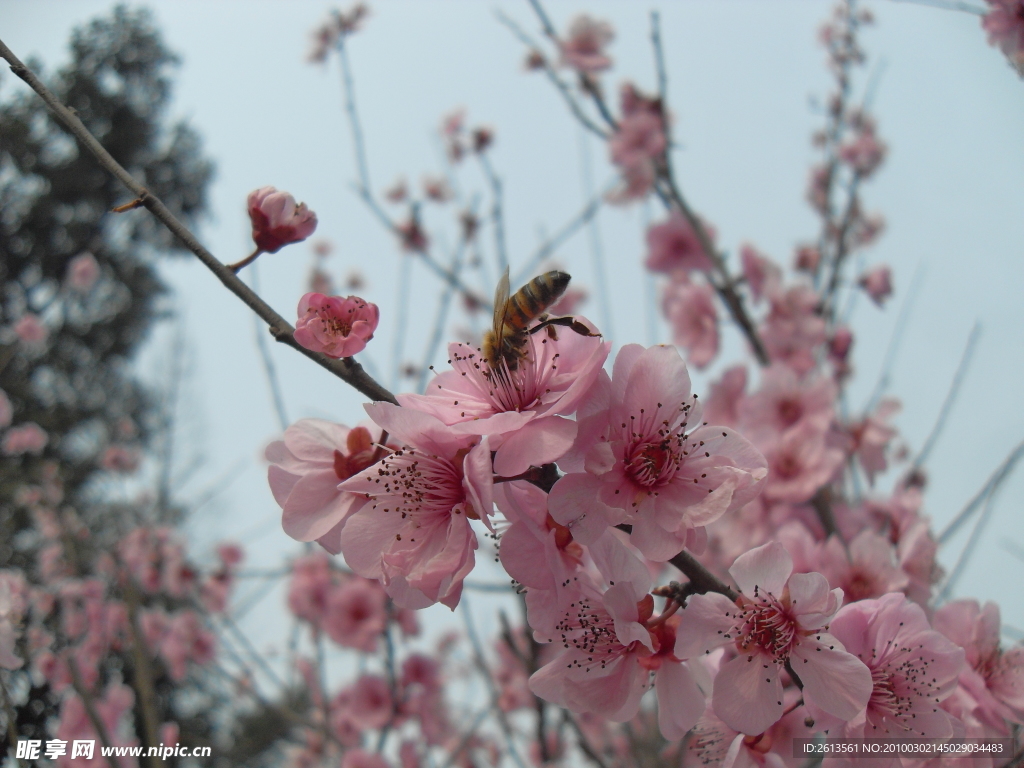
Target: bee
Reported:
point(510, 333)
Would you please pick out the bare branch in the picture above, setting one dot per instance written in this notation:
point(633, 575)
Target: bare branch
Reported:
point(346, 369)
point(994, 481)
point(556, 241)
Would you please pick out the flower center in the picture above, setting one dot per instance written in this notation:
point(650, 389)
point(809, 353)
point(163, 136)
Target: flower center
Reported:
point(764, 624)
point(790, 412)
point(418, 485)
point(884, 698)
point(652, 463)
point(591, 631)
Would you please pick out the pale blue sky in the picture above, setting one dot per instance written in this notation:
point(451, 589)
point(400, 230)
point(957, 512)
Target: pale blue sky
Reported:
point(741, 74)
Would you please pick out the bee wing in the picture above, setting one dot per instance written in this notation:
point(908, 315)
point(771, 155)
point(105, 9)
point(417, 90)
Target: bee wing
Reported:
point(500, 306)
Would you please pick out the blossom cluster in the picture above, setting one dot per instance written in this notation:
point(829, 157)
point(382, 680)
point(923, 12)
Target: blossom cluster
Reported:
point(809, 606)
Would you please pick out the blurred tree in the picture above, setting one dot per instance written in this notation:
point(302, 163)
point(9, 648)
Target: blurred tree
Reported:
point(94, 312)
point(79, 292)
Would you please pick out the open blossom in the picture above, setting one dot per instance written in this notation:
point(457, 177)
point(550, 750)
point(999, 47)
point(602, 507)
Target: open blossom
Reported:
point(877, 283)
point(912, 666)
point(355, 614)
point(785, 401)
point(673, 245)
point(306, 468)
point(610, 653)
point(638, 144)
point(722, 405)
point(336, 326)
point(413, 533)
point(761, 273)
point(780, 617)
point(993, 677)
point(524, 412)
point(583, 48)
point(690, 309)
point(634, 461)
point(277, 220)
point(864, 153)
point(25, 438)
point(871, 437)
point(799, 463)
point(82, 272)
point(794, 328)
point(868, 570)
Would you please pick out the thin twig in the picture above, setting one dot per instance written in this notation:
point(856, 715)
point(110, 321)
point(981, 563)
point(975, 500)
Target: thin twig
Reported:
point(968, 550)
point(269, 369)
point(596, 249)
point(466, 738)
point(346, 369)
point(994, 481)
point(497, 211)
point(560, 85)
point(492, 687)
point(143, 677)
point(947, 404)
point(553, 243)
point(584, 743)
point(891, 350)
point(702, 579)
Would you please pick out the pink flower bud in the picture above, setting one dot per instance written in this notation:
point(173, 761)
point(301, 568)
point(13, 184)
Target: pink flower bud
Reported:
point(83, 271)
point(877, 283)
point(336, 326)
point(31, 330)
point(27, 438)
point(277, 220)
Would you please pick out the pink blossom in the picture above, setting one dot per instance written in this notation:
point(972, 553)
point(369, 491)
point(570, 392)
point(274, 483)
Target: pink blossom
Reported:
point(674, 245)
point(583, 47)
point(305, 470)
point(761, 273)
point(808, 257)
point(31, 330)
point(398, 191)
point(335, 326)
point(311, 586)
point(522, 411)
point(640, 139)
point(864, 153)
point(722, 405)
point(779, 618)
point(436, 188)
point(877, 283)
point(994, 677)
point(120, 458)
point(871, 437)
point(609, 656)
point(794, 328)
point(116, 702)
point(414, 532)
point(869, 569)
point(912, 666)
point(634, 462)
point(6, 410)
point(690, 310)
point(276, 219)
point(371, 705)
point(355, 614)
point(799, 463)
point(186, 640)
point(1004, 24)
point(82, 272)
point(917, 551)
point(25, 438)
point(785, 401)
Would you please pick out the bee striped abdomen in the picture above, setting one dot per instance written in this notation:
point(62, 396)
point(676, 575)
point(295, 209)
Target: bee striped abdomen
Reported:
point(536, 296)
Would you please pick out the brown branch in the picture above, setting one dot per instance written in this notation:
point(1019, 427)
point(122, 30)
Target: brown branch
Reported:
point(143, 678)
point(346, 369)
point(700, 577)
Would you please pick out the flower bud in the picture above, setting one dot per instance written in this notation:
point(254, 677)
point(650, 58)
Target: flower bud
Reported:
point(277, 220)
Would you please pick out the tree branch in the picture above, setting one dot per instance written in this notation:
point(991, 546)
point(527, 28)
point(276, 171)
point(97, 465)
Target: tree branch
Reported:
point(346, 369)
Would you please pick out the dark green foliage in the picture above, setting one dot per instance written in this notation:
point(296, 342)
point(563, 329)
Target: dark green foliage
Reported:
point(55, 203)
